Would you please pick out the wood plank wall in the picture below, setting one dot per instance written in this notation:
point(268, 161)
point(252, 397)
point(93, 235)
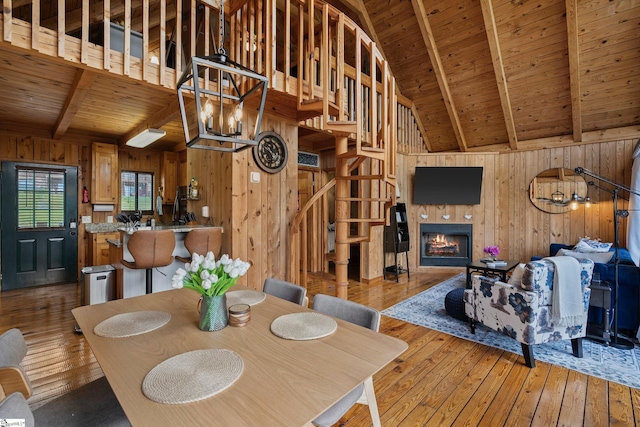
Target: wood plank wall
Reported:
point(213, 172)
point(255, 215)
point(506, 217)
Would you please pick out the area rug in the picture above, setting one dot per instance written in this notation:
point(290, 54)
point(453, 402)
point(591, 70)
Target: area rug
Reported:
point(427, 309)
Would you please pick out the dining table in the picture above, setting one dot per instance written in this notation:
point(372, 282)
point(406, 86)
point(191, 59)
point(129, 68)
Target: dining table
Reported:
point(283, 382)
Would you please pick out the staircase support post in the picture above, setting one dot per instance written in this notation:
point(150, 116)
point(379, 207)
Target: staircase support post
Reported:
point(343, 191)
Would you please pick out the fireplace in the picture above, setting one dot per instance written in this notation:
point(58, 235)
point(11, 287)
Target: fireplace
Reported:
point(445, 244)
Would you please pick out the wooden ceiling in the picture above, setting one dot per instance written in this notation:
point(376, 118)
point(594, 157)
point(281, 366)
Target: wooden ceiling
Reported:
point(483, 74)
point(512, 74)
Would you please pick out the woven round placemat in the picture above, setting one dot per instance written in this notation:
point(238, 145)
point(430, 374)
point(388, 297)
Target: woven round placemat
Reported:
point(250, 297)
point(129, 324)
point(303, 326)
point(192, 376)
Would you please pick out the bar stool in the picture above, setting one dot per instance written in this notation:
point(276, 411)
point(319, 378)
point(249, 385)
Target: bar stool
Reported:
point(150, 249)
point(201, 241)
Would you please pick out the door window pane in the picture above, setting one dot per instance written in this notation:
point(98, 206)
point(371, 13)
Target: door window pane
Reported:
point(40, 198)
point(136, 189)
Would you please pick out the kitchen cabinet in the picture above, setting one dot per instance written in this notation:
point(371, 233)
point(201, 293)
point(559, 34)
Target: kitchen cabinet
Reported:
point(169, 177)
point(104, 178)
point(99, 248)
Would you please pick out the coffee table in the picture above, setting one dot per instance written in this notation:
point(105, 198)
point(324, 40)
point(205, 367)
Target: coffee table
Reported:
point(485, 270)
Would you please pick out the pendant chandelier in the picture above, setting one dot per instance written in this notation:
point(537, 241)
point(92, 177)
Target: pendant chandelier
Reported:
point(220, 88)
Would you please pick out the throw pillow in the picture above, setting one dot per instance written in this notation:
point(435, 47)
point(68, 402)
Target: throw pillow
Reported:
point(587, 245)
point(599, 257)
point(516, 275)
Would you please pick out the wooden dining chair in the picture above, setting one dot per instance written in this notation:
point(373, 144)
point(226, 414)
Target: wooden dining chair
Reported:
point(365, 394)
point(285, 290)
point(93, 404)
point(201, 241)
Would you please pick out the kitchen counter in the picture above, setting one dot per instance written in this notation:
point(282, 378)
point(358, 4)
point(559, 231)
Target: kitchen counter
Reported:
point(105, 227)
point(111, 227)
point(174, 228)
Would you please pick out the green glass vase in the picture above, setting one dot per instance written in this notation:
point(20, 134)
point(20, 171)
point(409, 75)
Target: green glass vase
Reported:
point(213, 313)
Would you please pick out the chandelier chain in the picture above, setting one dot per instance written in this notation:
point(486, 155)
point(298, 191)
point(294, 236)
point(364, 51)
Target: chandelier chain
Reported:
point(221, 50)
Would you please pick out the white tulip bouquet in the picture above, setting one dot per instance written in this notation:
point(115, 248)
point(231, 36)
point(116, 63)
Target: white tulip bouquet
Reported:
point(209, 277)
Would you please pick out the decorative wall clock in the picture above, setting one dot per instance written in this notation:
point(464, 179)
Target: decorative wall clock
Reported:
point(271, 152)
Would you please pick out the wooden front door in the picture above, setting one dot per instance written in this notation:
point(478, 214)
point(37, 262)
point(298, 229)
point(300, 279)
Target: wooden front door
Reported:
point(39, 225)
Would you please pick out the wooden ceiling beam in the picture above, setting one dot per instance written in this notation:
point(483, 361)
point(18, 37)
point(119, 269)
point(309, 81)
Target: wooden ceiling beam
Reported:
point(432, 49)
point(79, 88)
point(168, 114)
point(591, 137)
point(574, 67)
point(498, 68)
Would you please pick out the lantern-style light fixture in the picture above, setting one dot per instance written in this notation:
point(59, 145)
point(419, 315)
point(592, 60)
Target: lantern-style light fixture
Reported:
point(220, 89)
point(557, 197)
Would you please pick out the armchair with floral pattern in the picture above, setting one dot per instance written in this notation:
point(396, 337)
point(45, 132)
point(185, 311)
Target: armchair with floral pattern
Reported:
point(522, 311)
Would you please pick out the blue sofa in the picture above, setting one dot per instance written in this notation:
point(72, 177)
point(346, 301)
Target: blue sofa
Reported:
point(628, 283)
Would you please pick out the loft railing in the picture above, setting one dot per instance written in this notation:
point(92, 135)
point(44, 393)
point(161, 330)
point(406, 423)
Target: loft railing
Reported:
point(409, 134)
point(309, 50)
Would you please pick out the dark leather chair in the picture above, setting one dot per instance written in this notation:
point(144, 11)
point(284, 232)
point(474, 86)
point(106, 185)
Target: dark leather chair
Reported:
point(150, 249)
point(201, 241)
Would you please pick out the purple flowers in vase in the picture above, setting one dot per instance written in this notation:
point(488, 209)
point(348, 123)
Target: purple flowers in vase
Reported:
point(492, 252)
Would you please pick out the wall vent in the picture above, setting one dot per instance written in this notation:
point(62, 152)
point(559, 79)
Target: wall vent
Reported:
point(308, 159)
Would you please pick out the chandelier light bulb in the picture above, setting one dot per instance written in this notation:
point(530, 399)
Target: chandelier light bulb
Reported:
point(574, 201)
point(238, 112)
point(208, 108)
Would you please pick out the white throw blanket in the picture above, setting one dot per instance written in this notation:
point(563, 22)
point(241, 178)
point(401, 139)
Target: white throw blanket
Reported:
point(568, 300)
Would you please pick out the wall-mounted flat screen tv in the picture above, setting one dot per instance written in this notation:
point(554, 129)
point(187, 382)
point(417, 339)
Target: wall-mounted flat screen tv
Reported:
point(436, 185)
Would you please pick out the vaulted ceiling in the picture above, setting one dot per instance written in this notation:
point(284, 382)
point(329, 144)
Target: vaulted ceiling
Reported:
point(512, 74)
point(483, 74)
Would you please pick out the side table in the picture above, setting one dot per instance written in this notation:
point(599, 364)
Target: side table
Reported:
point(485, 270)
point(600, 297)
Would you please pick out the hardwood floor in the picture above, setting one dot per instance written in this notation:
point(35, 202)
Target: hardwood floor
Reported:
point(440, 380)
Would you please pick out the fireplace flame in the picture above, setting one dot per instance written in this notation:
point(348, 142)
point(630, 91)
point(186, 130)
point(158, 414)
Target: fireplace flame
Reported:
point(441, 246)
